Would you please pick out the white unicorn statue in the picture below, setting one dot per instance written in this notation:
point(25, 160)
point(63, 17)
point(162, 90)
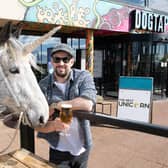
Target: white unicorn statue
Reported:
point(19, 89)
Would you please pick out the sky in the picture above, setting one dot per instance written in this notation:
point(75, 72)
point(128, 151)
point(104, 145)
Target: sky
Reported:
point(159, 5)
point(41, 57)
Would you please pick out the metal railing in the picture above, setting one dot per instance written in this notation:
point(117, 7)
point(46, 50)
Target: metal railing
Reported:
point(124, 123)
point(27, 133)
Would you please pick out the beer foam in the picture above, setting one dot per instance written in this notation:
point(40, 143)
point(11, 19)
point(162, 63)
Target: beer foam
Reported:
point(66, 105)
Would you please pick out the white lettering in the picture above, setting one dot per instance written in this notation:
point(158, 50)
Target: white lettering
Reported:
point(144, 20)
point(138, 19)
point(165, 23)
point(150, 22)
point(160, 24)
point(155, 21)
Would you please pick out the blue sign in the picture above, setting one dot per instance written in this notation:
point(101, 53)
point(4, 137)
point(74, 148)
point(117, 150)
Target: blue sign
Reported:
point(137, 83)
point(134, 100)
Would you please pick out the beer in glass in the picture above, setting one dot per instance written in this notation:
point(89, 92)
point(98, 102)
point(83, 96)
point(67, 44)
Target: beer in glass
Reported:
point(66, 113)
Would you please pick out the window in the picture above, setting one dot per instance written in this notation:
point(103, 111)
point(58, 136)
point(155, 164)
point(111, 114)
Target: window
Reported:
point(77, 43)
point(40, 53)
point(135, 2)
point(131, 2)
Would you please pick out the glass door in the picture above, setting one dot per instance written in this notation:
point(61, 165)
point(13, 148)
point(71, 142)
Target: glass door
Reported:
point(112, 68)
point(160, 59)
point(150, 60)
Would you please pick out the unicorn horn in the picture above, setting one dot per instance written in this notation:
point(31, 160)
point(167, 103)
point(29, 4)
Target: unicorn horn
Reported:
point(33, 45)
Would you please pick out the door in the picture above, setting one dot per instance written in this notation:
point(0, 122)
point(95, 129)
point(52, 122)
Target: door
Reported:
point(113, 67)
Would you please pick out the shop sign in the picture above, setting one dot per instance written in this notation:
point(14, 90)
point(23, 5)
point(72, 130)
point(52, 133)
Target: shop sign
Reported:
point(148, 21)
point(134, 101)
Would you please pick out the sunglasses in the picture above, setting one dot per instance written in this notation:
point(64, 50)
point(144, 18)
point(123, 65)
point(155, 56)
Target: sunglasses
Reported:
point(58, 59)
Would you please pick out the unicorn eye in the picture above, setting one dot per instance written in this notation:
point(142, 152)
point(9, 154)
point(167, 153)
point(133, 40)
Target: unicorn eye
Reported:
point(14, 70)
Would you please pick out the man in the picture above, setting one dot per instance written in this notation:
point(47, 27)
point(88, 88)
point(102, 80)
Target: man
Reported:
point(67, 85)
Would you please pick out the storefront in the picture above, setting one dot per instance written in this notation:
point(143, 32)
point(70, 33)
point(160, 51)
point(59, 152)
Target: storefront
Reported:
point(143, 52)
point(134, 55)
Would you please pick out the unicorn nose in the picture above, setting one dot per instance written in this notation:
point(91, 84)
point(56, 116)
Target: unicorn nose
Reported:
point(41, 120)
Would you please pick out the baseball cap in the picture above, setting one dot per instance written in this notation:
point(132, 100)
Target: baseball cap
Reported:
point(64, 47)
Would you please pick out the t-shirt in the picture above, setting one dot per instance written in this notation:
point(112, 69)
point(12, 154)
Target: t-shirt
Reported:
point(71, 140)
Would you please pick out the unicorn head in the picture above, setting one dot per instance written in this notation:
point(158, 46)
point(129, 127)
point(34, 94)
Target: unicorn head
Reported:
point(19, 89)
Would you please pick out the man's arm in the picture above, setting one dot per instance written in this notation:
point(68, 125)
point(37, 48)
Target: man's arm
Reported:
point(87, 94)
point(78, 103)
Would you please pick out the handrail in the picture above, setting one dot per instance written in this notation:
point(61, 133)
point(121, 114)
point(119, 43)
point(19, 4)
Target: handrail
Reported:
point(27, 133)
point(153, 129)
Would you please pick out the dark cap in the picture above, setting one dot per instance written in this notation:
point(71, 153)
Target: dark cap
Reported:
point(64, 47)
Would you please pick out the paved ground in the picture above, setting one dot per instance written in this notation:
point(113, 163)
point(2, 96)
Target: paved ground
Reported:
point(115, 147)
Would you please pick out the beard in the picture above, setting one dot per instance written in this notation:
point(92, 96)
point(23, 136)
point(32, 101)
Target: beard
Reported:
point(61, 72)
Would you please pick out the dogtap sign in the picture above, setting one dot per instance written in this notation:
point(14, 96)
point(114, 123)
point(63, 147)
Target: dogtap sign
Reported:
point(135, 98)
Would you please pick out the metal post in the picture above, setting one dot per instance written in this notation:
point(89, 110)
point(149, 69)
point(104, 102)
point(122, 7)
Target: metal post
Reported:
point(167, 81)
point(27, 138)
point(89, 51)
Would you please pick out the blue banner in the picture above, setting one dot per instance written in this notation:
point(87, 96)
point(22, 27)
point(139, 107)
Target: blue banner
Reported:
point(136, 83)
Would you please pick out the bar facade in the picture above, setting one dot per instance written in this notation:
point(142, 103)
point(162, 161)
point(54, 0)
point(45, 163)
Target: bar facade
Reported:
point(111, 38)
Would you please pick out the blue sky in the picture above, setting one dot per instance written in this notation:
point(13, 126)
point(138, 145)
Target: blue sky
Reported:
point(41, 57)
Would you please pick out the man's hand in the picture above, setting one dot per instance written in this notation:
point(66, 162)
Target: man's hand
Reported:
point(60, 126)
point(54, 125)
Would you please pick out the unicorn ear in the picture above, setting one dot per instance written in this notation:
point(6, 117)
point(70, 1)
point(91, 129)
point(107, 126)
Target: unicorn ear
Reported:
point(30, 47)
point(5, 32)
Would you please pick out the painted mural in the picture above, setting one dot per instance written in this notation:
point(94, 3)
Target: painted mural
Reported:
point(81, 13)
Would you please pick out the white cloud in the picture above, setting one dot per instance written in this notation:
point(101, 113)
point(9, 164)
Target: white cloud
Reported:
point(159, 5)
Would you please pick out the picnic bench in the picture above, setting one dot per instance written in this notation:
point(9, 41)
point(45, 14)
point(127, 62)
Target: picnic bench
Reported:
point(23, 158)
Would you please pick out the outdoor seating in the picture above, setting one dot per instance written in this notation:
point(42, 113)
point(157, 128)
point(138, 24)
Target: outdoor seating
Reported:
point(23, 158)
point(103, 103)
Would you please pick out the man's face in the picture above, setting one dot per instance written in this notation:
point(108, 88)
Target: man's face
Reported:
point(62, 63)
